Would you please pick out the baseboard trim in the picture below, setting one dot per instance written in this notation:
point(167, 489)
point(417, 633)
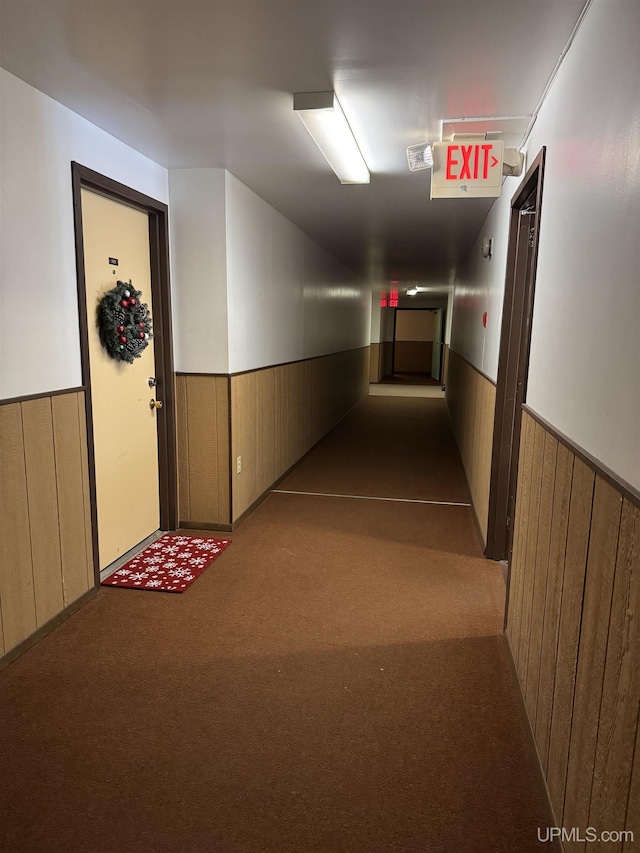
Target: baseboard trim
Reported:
point(205, 525)
point(254, 506)
point(47, 628)
point(474, 513)
point(483, 541)
point(556, 844)
point(250, 509)
point(247, 512)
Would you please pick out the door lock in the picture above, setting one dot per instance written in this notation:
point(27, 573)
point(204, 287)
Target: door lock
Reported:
point(152, 381)
point(155, 404)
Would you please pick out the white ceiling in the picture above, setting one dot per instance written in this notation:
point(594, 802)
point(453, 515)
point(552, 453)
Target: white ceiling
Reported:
point(209, 83)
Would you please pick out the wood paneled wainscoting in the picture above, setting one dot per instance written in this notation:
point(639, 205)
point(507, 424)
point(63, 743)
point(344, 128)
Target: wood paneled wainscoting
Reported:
point(386, 359)
point(279, 413)
point(445, 364)
point(413, 356)
point(204, 486)
point(573, 628)
point(46, 559)
point(375, 362)
point(268, 417)
point(381, 361)
point(471, 399)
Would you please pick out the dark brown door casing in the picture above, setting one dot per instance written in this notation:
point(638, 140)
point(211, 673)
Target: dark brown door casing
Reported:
point(513, 364)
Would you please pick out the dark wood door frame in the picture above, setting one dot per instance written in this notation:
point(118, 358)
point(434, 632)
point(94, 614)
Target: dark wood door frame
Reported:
point(393, 344)
point(84, 178)
point(513, 362)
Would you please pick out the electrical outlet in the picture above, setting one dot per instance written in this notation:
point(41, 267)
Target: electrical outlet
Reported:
point(238, 464)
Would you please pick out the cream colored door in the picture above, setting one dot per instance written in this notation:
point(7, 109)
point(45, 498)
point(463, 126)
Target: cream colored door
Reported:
point(124, 426)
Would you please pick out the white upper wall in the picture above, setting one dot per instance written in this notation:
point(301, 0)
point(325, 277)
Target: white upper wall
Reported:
point(199, 270)
point(449, 319)
point(39, 330)
point(479, 287)
point(288, 299)
point(376, 318)
point(387, 324)
point(249, 288)
point(584, 375)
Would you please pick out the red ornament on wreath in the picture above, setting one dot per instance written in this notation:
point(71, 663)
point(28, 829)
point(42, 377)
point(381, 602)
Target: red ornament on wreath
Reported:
point(124, 322)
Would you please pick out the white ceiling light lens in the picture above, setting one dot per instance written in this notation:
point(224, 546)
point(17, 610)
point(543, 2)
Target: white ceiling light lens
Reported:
point(412, 291)
point(322, 115)
point(419, 157)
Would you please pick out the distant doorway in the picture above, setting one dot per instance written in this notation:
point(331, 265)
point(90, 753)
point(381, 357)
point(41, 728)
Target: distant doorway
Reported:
point(417, 346)
point(513, 363)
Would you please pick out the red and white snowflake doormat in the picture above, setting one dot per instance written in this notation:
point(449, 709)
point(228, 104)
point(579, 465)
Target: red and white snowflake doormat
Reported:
point(170, 564)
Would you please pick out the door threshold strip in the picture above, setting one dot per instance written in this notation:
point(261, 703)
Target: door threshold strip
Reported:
point(369, 498)
point(132, 552)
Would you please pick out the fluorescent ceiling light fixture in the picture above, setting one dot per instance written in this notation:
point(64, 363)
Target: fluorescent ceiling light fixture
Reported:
point(419, 157)
point(322, 115)
point(438, 290)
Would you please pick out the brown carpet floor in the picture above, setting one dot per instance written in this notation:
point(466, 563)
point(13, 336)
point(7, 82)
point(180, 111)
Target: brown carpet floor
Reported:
point(399, 447)
point(407, 378)
point(336, 681)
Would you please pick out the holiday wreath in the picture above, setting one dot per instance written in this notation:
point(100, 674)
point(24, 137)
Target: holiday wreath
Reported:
point(124, 323)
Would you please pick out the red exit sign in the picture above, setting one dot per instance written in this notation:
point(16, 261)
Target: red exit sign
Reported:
point(467, 168)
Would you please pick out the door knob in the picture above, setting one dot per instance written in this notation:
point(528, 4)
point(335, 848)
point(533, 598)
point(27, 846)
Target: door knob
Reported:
point(155, 404)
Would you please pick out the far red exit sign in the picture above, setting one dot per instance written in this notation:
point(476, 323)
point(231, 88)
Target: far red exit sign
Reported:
point(467, 168)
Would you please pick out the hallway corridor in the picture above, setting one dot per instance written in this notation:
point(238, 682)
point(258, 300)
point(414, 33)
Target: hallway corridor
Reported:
point(335, 682)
